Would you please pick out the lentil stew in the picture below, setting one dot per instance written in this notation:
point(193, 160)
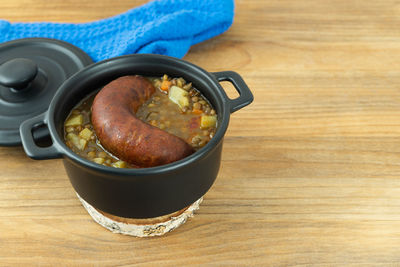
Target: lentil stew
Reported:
point(176, 107)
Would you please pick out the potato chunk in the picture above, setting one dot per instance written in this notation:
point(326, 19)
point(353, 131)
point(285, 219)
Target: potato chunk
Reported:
point(74, 120)
point(119, 164)
point(86, 134)
point(76, 141)
point(179, 96)
point(208, 121)
point(99, 160)
point(82, 143)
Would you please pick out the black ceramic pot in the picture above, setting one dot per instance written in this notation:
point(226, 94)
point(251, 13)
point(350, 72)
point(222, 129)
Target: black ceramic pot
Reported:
point(147, 192)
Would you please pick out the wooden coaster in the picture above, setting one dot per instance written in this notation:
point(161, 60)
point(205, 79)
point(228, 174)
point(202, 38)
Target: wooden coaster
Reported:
point(141, 227)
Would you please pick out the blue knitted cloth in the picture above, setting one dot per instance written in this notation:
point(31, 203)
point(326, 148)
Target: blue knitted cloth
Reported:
point(167, 27)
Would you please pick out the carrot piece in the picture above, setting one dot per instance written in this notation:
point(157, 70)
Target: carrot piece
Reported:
point(165, 85)
point(197, 111)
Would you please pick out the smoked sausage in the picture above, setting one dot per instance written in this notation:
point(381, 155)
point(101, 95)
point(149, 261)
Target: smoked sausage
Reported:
point(124, 135)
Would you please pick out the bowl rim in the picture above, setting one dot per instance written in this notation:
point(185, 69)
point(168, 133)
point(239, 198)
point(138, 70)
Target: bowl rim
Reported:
point(170, 167)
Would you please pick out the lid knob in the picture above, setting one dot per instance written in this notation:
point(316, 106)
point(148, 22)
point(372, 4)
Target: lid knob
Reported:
point(17, 73)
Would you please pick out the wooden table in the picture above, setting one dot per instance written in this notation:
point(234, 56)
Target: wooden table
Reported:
point(310, 171)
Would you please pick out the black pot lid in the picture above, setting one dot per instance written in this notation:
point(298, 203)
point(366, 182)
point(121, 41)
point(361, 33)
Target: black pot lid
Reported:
point(31, 70)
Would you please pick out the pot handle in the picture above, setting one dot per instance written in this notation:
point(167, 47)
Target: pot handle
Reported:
point(31, 149)
point(245, 95)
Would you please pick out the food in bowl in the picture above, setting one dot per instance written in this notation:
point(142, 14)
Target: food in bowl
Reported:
point(136, 122)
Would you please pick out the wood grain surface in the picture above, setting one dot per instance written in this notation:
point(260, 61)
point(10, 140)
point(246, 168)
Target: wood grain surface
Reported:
point(310, 171)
